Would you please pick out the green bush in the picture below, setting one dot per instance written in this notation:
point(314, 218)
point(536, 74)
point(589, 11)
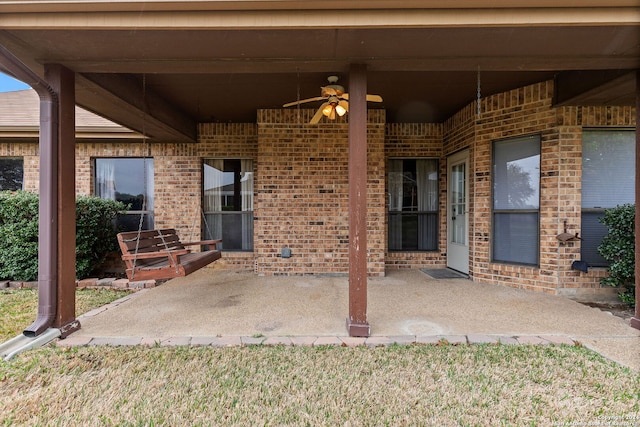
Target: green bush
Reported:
point(95, 234)
point(618, 248)
point(18, 235)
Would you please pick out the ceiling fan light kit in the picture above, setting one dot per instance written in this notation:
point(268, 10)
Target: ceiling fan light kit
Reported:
point(327, 110)
point(335, 105)
point(336, 101)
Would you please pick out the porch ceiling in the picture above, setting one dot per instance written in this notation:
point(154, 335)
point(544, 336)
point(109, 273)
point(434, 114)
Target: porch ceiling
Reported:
point(425, 74)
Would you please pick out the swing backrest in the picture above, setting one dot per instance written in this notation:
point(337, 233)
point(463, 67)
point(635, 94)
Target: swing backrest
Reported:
point(135, 242)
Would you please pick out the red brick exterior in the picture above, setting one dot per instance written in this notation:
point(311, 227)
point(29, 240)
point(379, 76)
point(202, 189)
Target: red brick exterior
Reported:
point(302, 194)
point(527, 111)
point(301, 184)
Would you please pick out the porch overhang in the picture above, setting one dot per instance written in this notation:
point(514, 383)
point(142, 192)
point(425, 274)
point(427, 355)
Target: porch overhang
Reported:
point(220, 61)
point(162, 67)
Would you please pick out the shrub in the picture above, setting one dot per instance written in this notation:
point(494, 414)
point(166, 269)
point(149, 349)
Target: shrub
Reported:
point(95, 234)
point(618, 248)
point(18, 235)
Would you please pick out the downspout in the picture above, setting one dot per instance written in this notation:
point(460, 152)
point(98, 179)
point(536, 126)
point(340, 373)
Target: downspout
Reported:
point(47, 235)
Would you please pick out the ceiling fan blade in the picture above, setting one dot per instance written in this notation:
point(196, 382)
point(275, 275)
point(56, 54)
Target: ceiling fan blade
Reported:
point(318, 115)
point(371, 98)
point(302, 101)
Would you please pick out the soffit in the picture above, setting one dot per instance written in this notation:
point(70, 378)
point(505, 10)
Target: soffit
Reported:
point(226, 73)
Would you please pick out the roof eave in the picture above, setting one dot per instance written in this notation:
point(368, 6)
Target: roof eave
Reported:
point(169, 5)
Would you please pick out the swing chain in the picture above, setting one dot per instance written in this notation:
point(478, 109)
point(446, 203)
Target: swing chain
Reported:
point(478, 94)
point(146, 152)
point(145, 149)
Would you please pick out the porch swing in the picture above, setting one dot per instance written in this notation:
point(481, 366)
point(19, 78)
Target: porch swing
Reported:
point(159, 254)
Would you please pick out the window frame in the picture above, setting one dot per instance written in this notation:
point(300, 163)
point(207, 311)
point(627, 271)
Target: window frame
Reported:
point(149, 214)
point(22, 183)
point(245, 216)
point(427, 213)
point(524, 211)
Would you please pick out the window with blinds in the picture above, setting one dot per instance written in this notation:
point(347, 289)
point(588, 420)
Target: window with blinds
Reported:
point(516, 200)
point(608, 180)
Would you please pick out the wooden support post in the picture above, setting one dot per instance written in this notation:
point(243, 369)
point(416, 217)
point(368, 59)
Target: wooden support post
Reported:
point(357, 324)
point(62, 81)
point(635, 321)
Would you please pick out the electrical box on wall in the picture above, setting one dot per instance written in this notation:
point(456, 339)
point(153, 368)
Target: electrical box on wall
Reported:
point(286, 252)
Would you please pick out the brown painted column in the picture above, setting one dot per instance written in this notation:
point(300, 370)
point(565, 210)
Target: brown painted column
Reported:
point(62, 80)
point(357, 324)
point(56, 221)
point(635, 321)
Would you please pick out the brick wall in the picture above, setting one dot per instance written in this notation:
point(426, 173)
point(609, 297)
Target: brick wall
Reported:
point(570, 123)
point(527, 111)
point(301, 184)
point(302, 194)
point(524, 111)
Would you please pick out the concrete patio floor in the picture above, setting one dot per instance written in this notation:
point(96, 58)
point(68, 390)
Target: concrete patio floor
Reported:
point(406, 305)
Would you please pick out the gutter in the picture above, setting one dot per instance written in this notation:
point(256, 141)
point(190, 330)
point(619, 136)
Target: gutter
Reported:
point(138, 6)
point(48, 205)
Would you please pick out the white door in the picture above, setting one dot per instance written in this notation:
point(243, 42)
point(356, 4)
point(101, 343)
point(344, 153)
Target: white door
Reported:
point(458, 212)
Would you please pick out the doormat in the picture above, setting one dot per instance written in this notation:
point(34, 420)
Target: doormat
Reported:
point(443, 273)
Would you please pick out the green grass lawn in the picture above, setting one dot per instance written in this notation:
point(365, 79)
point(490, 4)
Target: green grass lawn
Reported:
point(442, 385)
point(18, 307)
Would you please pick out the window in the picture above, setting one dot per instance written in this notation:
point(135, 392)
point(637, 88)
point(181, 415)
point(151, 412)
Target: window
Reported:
point(413, 204)
point(130, 181)
point(608, 180)
point(228, 202)
point(11, 173)
point(516, 200)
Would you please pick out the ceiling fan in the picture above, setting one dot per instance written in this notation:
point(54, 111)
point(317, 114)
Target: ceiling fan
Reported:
point(336, 101)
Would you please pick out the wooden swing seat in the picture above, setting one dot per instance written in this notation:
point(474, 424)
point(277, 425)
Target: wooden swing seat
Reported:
point(159, 254)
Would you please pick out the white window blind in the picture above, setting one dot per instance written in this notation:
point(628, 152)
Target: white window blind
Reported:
point(608, 168)
point(608, 180)
point(516, 200)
